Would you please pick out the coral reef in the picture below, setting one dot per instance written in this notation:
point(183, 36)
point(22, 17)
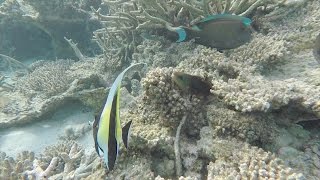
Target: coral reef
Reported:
point(73, 132)
point(62, 161)
point(300, 28)
point(50, 79)
point(234, 160)
point(65, 81)
point(38, 173)
point(14, 169)
point(127, 21)
point(256, 129)
point(245, 128)
point(167, 102)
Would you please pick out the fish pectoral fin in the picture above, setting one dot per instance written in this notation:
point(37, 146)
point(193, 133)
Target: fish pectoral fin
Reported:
point(125, 133)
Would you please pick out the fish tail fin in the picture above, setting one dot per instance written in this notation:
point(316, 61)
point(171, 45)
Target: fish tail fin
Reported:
point(125, 133)
point(182, 34)
point(246, 21)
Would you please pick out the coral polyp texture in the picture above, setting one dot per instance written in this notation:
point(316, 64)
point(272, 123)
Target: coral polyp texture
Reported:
point(235, 159)
point(167, 101)
point(51, 78)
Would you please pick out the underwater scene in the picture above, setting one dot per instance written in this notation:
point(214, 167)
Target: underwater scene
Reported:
point(160, 89)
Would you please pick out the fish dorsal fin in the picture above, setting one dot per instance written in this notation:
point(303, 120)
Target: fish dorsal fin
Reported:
point(125, 133)
point(218, 17)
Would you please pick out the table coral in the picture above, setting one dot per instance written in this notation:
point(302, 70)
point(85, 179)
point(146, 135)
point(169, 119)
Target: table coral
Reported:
point(87, 85)
point(51, 79)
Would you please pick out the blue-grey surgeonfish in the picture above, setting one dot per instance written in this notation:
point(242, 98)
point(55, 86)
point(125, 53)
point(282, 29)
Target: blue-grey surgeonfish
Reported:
point(221, 31)
point(107, 131)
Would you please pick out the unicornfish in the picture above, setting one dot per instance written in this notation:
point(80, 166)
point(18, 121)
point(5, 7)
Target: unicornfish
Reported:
point(221, 31)
point(107, 131)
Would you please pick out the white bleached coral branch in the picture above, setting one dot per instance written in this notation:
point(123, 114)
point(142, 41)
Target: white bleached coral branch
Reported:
point(38, 173)
point(177, 148)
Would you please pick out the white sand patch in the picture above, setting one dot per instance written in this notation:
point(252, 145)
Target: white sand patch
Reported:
point(36, 136)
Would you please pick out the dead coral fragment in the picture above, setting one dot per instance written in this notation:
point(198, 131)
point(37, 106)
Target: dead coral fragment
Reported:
point(38, 172)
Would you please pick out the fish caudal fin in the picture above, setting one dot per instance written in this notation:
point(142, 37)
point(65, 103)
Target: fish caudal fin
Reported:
point(182, 34)
point(125, 133)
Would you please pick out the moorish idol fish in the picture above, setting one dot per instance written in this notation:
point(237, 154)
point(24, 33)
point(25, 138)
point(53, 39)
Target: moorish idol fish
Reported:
point(190, 83)
point(107, 131)
point(316, 49)
point(221, 31)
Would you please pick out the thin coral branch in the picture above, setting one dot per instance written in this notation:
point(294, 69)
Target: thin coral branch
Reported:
point(252, 7)
point(155, 19)
point(177, 147)
point(38, 172)
point(227, 6)
point(75, 49)
point(190, 7)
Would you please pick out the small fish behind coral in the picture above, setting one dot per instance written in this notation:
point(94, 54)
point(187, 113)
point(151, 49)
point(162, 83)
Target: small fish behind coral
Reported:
point(190, 83)
point(221, 31)
point(316, 49)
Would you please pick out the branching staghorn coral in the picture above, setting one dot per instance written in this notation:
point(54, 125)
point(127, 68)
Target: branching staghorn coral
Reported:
point(38, 173)
point(11, 168)
point(126, 19)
